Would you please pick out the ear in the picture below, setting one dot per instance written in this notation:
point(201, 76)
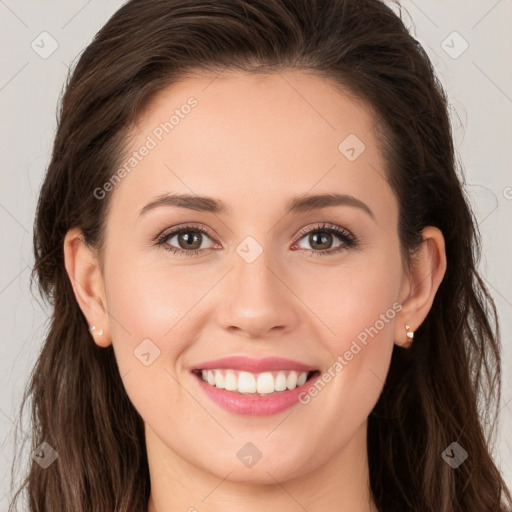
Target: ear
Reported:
point(83, 269)
point(428, 267)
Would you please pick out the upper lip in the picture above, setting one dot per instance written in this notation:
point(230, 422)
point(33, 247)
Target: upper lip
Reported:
point(254, 365)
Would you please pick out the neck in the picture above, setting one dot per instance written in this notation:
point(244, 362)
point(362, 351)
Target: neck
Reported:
point(341, 484)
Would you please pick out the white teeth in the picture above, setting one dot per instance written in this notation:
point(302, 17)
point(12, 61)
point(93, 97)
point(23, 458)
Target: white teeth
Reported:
point(301, 378)
point(230, 381)
point(247, 382)
point(291, 381)
point(265, 383)
point(280, 383)
point(219, 379)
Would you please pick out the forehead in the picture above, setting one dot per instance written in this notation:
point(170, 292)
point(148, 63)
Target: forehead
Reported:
point(252, 137)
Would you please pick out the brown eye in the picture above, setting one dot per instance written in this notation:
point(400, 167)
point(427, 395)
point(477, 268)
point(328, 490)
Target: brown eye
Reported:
point(187, 240)
point(321, 239)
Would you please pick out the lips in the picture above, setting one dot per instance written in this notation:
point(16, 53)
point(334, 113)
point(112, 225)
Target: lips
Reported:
point(248, 364)
point(258, 387)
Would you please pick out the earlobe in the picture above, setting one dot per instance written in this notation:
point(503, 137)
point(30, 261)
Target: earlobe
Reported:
point(428, 267)
point(82, 267)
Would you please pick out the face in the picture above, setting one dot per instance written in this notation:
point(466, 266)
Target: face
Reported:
point(257, 272)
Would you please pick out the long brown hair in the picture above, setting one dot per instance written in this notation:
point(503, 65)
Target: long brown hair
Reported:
point(445, 389)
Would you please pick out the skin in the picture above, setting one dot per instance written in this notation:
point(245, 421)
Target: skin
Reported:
point(254, 142)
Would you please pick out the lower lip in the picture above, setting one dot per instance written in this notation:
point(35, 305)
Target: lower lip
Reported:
point(254, 405)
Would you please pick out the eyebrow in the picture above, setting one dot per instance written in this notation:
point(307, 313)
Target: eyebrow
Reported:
point(297, 204)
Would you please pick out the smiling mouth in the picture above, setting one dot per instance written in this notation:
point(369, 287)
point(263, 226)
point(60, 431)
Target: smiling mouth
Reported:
point(248, 383)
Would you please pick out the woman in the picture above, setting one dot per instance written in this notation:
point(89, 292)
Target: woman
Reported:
point(262, 268)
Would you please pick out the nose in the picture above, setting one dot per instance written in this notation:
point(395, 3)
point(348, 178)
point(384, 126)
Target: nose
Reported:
point(257, 301)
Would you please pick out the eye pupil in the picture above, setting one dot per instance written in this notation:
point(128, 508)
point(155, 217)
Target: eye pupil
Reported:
point(320, 238)
point(190, 240)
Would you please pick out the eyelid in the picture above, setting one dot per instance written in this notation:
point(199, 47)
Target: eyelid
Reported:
point(341, 231)
point(179, 228)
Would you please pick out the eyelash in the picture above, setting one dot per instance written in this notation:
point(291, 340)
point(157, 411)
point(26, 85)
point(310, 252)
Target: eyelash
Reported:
point(348, 239)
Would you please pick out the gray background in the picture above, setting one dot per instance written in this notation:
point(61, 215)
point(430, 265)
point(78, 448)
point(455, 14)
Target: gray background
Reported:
point(478, 80)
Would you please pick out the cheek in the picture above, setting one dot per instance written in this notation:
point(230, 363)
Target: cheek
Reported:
point(147, 320)
point(362, 317)
point(366, 311)
point(150, 300)
point(154, 308)
point(359, 306)
point(356, 300)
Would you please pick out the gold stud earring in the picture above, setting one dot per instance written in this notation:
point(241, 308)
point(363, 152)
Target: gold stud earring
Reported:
point(410, 336)
point(94, 331)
